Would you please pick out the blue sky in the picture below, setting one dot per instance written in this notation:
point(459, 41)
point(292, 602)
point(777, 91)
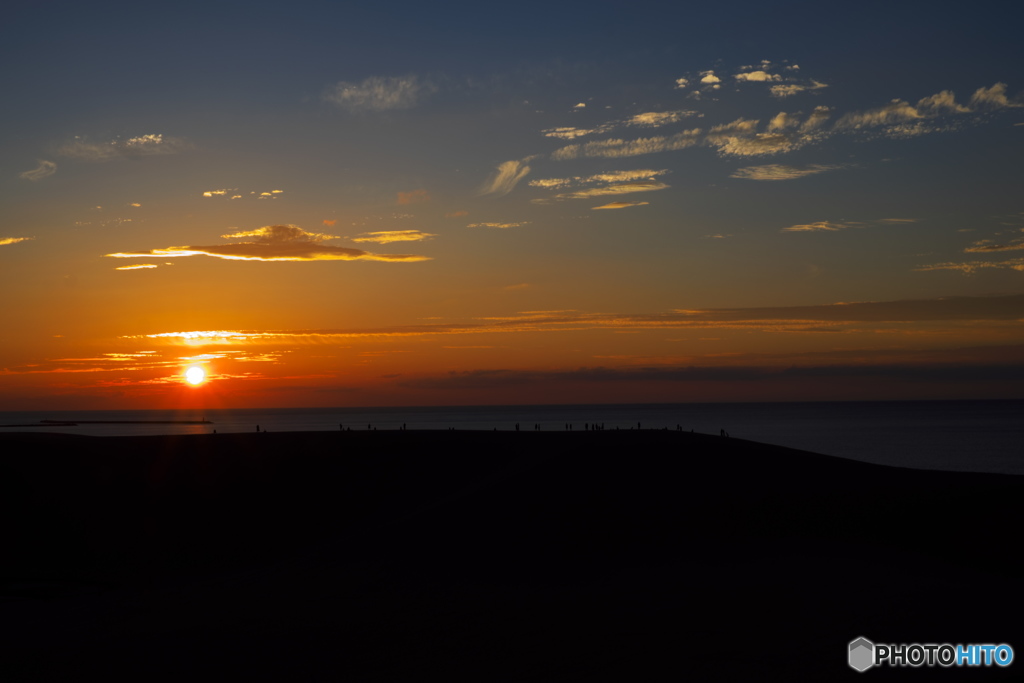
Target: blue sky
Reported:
point(585, 186)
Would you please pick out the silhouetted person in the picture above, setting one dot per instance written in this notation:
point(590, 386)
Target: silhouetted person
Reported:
point(257, 428)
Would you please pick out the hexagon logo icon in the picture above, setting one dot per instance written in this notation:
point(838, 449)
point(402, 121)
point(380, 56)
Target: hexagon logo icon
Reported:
point(862, 654)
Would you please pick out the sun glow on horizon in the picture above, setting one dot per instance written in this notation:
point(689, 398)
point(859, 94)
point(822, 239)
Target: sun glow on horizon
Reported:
point(195, 375)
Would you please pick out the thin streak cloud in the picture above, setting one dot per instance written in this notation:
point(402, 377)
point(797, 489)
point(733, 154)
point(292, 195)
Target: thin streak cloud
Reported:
point(780, 172)
point(274, 243)
point(620, 188)
point(820, 226)
point(620, 205)
point(387, 236)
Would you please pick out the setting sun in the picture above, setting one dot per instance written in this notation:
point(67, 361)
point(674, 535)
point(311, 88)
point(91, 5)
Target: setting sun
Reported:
point(195, 375)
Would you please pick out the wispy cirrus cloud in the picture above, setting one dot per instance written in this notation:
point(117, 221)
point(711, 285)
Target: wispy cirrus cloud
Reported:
point(388, 236)
point(993, 98)
point(615, 148)
point(378, 93)
point(572, 132)
point(615, 189)
point(506, 177)
point(274, 243)
point(599, 178)
point(988, 246)
point(759, 144)
point(13, 240)
point(151, 144)
point(971, 267)
point(893, 117)
point(654, 119)
point(816, 119)
point(141, 266)
point(788, 89)
point(45, 169)
point(413, 197)
point(781, 172)
point(650, 119)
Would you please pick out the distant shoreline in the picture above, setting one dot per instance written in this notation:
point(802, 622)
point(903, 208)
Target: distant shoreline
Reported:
point(75, 423)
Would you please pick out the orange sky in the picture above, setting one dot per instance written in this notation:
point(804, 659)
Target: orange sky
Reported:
point(741, 215)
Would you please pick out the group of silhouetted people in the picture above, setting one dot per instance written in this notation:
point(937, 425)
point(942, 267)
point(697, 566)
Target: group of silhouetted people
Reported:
point(587, 426)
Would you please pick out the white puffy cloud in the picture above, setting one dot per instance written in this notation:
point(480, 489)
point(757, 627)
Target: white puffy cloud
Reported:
point(940, 103)
point(816, 119)
point(709, 78)
point(45, 169)
point(757, 76)
point(782, 121)
point(655, 118)
point(379, 93)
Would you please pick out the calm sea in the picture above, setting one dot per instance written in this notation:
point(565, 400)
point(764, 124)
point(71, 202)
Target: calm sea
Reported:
point(983, 436)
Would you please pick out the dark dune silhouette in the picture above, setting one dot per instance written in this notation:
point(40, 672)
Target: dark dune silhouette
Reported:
point(405, 555)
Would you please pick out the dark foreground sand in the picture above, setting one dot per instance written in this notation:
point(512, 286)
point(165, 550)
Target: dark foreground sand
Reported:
point(490, 556)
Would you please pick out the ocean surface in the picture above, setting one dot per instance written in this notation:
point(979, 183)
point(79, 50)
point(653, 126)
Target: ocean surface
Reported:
point(979, 436)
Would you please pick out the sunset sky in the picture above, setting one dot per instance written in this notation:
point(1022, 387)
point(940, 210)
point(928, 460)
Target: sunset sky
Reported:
point(335, 204)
